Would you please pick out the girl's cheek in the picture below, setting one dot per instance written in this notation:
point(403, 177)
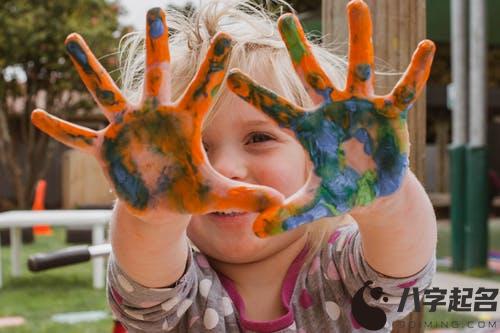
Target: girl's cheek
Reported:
point(283, 172)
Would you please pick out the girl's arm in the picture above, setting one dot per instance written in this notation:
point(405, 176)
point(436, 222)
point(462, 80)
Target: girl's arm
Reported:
point(398, 232)
point(153, 254)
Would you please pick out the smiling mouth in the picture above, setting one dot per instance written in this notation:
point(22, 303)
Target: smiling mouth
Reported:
point(228, 214)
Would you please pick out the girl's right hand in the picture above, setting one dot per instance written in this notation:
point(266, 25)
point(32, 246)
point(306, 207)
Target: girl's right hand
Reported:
point(152, 152)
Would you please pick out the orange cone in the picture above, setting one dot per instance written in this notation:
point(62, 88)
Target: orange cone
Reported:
point(39, 204)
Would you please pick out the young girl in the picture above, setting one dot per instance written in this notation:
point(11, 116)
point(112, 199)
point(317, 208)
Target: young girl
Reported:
point(187, 257)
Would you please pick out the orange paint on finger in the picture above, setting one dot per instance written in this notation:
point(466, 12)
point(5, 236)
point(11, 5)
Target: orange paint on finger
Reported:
point(157, 73)
point(157, 50)
point(310, 72)
point(411, 84)
point(207, 81)
point(154, 81)
point(70, 134)
point(94, 76)
point(361, 64)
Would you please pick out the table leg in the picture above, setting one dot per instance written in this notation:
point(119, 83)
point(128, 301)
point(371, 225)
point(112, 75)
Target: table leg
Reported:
point(15, 251)
point(98, 263)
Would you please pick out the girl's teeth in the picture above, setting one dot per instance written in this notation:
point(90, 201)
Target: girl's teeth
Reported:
point(228, 213)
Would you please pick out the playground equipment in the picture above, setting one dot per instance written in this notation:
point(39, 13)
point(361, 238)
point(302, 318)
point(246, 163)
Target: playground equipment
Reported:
point(71, 256)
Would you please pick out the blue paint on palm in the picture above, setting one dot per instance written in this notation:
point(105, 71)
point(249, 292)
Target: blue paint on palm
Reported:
point(322, 133)
point(128, 184)
point(361, 134)
point(318, 211)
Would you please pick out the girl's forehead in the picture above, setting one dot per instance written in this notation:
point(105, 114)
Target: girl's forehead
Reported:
point(233, 108)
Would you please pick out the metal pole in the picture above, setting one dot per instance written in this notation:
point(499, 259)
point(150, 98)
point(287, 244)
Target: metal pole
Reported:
point(478, 88)
point(476, 252)
point(459, 131)
point(459, 71)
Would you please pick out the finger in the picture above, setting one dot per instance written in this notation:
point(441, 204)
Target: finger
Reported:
point(72, 135)
point(95, 77)
point(278, 108)
point(204, 86)
point(413, 80)
point(360, 74)
point(310, 72)
point(245, 197)
point(223, 194)
point(303, 207)
point(157, 73)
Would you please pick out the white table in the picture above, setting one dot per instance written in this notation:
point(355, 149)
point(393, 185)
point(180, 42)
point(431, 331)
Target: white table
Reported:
point(17, 219)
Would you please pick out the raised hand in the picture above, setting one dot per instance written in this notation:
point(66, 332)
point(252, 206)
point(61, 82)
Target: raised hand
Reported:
point(357, 141)
point(152, 153)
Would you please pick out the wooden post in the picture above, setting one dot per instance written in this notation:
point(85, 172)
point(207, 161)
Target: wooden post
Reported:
point(398, 26)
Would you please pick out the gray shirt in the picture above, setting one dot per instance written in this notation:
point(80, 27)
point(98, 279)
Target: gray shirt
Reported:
point(324, 295)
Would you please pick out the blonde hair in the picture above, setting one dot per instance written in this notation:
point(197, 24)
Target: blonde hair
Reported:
point(257, 48)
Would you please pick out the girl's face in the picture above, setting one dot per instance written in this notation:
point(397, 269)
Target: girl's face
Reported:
point(244, 144)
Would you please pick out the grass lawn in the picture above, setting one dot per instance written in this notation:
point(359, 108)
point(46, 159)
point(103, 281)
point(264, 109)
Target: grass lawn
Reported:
point(444, 247)
point(38, 296)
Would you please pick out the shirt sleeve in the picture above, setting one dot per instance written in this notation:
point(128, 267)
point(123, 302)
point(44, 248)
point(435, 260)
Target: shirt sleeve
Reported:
point(343, 260)
point(143, 309)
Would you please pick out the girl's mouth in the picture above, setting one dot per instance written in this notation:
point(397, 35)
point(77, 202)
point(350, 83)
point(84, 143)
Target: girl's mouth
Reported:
point(231, 218)
point(228, 214)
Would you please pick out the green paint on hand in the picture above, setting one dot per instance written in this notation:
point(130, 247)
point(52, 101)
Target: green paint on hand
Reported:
point(332, 209)
point(291, 36)
point(366, 184)
point(214, 90)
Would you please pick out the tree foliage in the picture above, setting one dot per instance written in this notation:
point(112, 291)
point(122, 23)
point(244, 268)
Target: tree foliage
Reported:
point(32, 41)
point(300, 6)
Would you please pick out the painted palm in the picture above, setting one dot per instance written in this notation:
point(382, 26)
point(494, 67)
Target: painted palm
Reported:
point(357, 141)
point(152, 152)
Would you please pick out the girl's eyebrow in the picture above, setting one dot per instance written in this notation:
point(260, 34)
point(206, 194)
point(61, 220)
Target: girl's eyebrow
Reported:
point(258, 122)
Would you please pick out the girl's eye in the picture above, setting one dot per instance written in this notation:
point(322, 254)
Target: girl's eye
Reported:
point(259, 137)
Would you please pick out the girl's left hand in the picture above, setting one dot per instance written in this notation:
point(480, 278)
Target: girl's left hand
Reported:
point(357, 141)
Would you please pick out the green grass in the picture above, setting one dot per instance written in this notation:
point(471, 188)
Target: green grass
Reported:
point(444, 248)
point(38, 296)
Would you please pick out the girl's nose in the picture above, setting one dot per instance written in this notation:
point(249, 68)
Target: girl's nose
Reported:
point(230, 164)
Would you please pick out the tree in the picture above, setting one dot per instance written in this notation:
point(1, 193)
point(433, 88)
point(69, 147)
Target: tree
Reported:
point(34, 68)
point(300, 6)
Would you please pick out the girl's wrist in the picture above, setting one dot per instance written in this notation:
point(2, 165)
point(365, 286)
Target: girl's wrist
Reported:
point(153, 254)
point(168, 228)
point(158, 218)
